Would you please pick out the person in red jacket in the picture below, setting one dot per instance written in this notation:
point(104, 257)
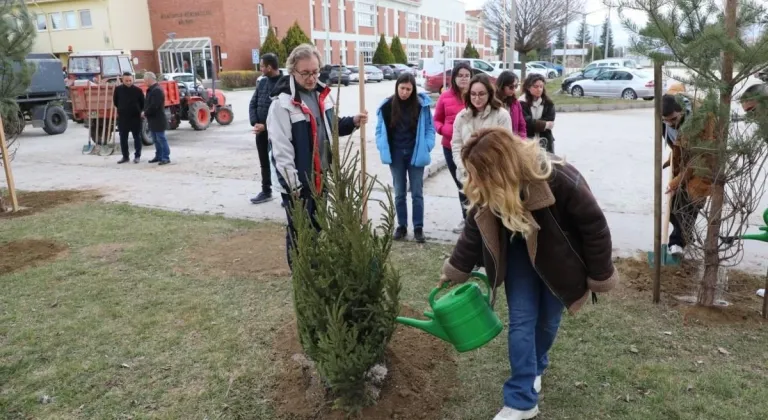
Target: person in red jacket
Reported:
point(506, 86)
point(450, 103)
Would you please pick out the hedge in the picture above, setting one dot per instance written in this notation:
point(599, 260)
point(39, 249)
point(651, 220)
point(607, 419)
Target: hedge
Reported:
point(238, 79)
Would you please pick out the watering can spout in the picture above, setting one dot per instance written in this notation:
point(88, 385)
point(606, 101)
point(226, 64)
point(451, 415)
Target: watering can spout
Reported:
point(431, 326)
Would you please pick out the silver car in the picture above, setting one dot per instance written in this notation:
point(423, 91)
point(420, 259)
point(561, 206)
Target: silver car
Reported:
point(373, 74)
point(625, 83)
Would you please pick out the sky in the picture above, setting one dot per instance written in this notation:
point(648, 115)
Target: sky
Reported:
point(596, 13)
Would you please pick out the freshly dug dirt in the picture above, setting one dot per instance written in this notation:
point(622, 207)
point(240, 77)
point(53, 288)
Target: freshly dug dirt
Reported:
point(32, 202)
point(18, 255)
point(256, 253)
point(422, 376)
point(675, 280)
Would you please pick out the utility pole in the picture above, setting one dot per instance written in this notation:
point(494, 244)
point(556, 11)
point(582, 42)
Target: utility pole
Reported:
point(565, 36)
point(594, 40)
point(504, 35)
point(608, 43)
point(511, 34)
point(583, 41)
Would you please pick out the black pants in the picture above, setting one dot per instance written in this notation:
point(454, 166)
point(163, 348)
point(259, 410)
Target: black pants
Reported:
point(290, 232)
point(262, 146)
point(452, 169)
point(133, 127)
point(683, 217)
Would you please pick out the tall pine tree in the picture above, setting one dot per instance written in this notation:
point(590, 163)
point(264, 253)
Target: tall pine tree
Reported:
point(398, 52)
point(606, 44)
point(17, 36)
point(294, 37)
point(582, 34)
point(383, 54)
point(560, 40)
point(273, 45)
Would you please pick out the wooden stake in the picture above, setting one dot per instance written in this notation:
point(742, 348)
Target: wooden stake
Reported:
point(363, 164)
point(7, 167)
point(657, 175)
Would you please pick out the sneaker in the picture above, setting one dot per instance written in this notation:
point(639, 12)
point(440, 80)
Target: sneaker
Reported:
point(507, 413)
point(676, 250)
point(537, 384)
point(123, 160)
point(136, 160)
point(154, 160)
point(459, 228)
point(418, 235)
point(400, 233)
point(263, 197)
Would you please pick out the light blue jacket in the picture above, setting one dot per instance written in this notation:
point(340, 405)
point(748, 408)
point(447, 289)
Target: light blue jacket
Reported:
point(425, 134)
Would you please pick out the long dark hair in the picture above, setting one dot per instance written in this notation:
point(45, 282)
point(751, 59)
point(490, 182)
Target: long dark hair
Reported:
point(506, 79)
point(493, 101)
point(529, 81)
point(409, 107)
point(455, 73)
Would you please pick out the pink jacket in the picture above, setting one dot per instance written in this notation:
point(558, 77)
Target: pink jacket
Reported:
point(518, 119)
point(448, 106)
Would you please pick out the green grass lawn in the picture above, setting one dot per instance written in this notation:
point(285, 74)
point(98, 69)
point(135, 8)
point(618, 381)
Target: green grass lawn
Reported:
point(146, 315)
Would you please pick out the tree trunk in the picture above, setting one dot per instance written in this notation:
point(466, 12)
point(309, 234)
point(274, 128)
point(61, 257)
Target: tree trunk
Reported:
point(523, 60)
point(707, 291)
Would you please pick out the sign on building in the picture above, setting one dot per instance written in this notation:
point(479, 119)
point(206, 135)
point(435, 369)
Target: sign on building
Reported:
point(255, 55)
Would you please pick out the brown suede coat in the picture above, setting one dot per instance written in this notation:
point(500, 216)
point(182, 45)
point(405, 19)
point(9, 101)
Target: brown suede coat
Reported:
point(570, 246)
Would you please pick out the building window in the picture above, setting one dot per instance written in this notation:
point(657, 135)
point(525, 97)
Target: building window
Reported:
point(414, 53)
point(70, 20)
point(413, 22)
point(471, 33)
point(263, 24)
point(444, 28)
point(365, 14)
point(85, 19)
point(56, 24)
point(326, 15)
point(42, 23)
point(367, 49)
point(342, 17)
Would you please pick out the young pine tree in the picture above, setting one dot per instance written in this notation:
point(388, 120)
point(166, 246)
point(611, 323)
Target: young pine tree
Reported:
point(273, 45)
point(398, 52)
point(17, 36)
point(724, 157)
point(345, 288)
point(383, 54)
point(294, 37)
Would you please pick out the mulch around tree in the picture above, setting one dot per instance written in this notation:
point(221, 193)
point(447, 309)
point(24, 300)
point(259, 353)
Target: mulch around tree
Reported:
point(31, 202)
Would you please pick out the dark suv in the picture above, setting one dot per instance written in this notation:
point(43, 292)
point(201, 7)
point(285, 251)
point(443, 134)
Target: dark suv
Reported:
point(330, 74)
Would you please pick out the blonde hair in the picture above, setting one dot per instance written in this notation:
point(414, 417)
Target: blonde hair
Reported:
point(500, 166)
point(302, 52)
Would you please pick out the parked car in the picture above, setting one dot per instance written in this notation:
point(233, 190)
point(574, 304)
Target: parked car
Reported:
point(622, 82)
point(548, 73)
point(354, 74)
point(552, 66)
point(434, 83)
point(330, 74)
point(373, 74)
point(762, 75)
point(581, 75)
point(614, 62)
point(477, 64)
point(189, 80)
point(400, 68)
point(500, 66)
point(389, 72)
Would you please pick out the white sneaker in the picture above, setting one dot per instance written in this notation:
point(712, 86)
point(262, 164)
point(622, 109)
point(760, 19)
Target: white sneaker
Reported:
point(676, 250)
point(507, 413)
point(459, 228)
point(537, 384)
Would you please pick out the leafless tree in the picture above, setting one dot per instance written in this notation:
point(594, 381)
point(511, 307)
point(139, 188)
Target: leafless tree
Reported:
point(536, 22)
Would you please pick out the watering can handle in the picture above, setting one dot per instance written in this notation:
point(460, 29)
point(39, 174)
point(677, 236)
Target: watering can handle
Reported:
point(434, 293)
point(484, 278)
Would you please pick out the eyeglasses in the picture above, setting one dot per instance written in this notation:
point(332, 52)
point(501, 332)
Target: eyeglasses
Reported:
point(308, 74)
point(478, 94)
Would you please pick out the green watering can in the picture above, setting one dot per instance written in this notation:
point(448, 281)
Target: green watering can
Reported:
point(463, 317)
point(752, 236)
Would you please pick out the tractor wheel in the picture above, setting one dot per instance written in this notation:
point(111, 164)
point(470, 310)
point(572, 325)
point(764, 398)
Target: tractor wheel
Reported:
point(55, 120)
point(146, 135)
point(199, 116)
point(224, 116)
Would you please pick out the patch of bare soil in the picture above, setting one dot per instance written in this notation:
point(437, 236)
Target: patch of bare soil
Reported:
point(256, 252)
point(18, 255)
point(683, 280)
point(108, 253)
point(422, 376)
point(32, 202)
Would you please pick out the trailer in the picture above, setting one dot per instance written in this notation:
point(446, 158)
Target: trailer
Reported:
point(43, 103)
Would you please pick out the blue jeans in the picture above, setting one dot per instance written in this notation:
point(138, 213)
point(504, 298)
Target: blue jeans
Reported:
point(162, 151)
point(452, 169)
point(402, 173)
point(534, 318)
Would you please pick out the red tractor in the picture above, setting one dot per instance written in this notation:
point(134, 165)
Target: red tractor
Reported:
point(200, 106)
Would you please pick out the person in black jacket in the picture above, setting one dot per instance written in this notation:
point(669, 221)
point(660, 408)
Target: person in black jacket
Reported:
point(258, 110)
point(539, 111)
point(154, 112)
point(129, 101)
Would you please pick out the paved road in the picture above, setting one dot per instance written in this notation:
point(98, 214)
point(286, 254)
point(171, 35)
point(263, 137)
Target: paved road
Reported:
point(216, 171)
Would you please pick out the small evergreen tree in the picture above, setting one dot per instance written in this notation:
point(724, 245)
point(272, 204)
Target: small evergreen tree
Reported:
point(582, 34)
point(470, 51)
point(398, 53)
point(383, 54)
point(294, 37)
point(345, 288)
point(273, 45)
point(560, 40)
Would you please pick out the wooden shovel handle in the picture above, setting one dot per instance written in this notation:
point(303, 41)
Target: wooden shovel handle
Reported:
point(667, 214)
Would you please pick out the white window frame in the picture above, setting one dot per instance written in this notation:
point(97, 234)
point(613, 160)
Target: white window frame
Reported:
point(472, 33)
point(44, 22)
point(342, 16)
point(263, 24)
point(366, 15)
point(413, 23)
point(326, 5)
point(51, 18)
point(80, 18)
point(444, 28)
point(65, 19)
point(413, 53)
point(367, 48)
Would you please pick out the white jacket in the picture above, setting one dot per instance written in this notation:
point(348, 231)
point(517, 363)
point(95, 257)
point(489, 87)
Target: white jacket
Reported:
point(466, 125)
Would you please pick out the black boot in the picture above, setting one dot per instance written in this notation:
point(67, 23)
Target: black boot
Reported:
point(418, 234)
point(400, 233)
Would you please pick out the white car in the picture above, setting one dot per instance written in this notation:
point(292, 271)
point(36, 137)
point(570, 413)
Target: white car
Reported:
point(187, 79)
point(354, 76)
point(530, 68)
point(373, 74)
point(621, 82)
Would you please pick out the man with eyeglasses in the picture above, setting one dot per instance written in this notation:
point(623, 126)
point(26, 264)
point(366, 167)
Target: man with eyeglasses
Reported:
point(299, 126)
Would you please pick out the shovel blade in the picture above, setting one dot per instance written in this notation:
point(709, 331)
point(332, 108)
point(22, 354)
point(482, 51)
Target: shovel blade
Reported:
point(666, 257)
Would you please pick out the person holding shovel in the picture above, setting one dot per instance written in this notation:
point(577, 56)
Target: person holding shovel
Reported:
point(535, 226)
